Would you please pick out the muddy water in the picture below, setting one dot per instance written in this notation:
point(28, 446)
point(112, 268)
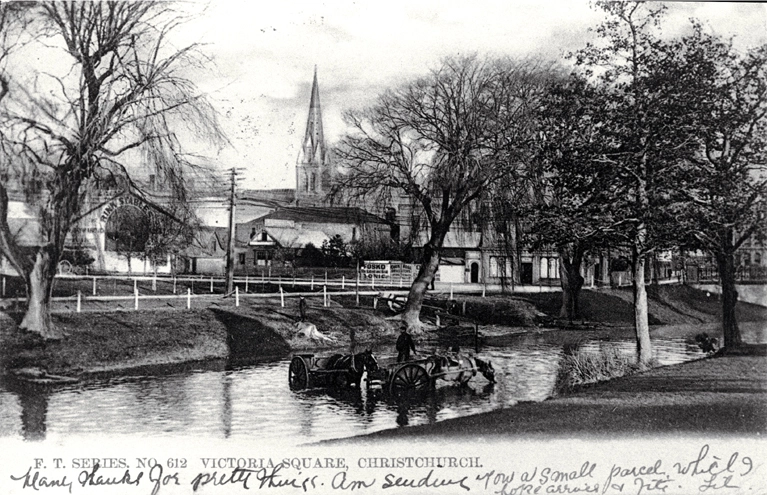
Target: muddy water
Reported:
point(223, 400)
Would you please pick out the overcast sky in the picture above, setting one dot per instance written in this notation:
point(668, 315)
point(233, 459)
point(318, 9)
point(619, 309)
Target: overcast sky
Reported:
point(265, 54)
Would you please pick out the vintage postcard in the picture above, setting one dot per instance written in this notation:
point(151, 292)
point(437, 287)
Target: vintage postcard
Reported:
point(504, 248)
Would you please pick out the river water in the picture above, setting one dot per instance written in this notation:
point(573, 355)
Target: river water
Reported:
point(226, 400)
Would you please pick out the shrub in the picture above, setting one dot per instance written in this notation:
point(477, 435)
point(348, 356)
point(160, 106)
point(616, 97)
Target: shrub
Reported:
point(581, 366)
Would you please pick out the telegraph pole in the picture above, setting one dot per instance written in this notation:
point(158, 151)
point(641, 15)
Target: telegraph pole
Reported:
point(230, 244)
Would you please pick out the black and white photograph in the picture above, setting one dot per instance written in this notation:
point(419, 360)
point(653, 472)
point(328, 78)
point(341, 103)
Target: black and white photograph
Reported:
point(407, 247)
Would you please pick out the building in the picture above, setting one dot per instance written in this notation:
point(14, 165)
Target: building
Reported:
point(282, 235)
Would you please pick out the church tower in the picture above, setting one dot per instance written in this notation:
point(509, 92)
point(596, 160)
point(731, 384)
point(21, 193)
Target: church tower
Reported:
point(312, 166)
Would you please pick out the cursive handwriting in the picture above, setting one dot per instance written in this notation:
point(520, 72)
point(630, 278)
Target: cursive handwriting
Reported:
point(715, 473)
point(390, 481)
point(267, 478)
point(90, 478)
point(341, 482)
point(36, 481)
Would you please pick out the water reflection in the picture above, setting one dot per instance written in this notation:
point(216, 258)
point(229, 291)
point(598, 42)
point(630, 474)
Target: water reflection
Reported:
point(230, 400)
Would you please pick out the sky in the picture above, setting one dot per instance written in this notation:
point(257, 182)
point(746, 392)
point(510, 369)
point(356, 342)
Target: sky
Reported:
point(263, 56)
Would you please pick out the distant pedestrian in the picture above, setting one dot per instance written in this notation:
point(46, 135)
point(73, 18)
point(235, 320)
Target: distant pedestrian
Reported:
point(404, 345)
point(302, 308)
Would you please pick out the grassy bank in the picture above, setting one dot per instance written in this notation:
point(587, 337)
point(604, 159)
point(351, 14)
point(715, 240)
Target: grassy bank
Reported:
point(109, 341)
point(113, 340)
point(668, 305)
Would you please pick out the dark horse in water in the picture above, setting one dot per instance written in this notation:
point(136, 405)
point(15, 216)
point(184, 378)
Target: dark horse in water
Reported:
point(355, 366)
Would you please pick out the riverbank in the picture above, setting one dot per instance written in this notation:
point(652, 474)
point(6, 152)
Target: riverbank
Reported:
point(99, 340)
point(719, 396)
point(111, 341)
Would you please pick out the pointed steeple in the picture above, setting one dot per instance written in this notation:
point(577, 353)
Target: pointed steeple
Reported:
point(314, 140)
point(311, 167)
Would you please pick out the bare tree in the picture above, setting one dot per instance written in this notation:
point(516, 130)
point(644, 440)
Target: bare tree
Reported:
point(442, 140)
point(70, 131)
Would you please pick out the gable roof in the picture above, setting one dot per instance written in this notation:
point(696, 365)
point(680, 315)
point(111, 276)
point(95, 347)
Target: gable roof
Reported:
point(318, 214)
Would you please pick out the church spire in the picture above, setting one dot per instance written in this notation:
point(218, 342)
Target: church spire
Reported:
point(314, 139)
point(312, 173)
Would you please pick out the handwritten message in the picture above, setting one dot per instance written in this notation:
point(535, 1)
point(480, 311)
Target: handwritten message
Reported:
point(708, 471)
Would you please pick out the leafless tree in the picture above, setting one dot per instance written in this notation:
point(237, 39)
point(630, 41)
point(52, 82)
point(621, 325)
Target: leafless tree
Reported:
point(442, 140)
point(71, 129)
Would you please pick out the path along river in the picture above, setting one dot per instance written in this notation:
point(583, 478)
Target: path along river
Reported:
point(225, 400)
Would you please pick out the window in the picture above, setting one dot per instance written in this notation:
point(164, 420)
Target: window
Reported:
point(757, 258)
point(314, 182)
point(213, 245)
point(264, 237)
point(354, 233)
point(746, 258)
point(500, 266)
point(549, 268)
point(306, 183)
point(391, 215)
point(242, 258)
point(262, 257)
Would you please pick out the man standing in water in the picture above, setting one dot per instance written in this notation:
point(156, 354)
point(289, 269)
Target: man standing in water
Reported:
point(404, 345)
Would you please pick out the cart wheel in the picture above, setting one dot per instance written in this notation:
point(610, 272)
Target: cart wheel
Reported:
point(410, 377)
point(298, 374)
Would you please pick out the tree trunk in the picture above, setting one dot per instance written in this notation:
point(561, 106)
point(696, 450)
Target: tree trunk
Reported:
point(726, 265)
point(37, 319)
point(641, 323)
point(572, 282)
point(429, 265)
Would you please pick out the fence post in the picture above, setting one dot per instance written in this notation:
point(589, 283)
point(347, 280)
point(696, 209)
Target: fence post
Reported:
point(79, 297)
point(3, 286)
point(211, 284)
point(463, 308)
point(373, 283)
point(236, 296)
point(325, 296)
point(375, 302)
point(246, 283)
point(174, 284)
point(135, 285)
point(484, 287)
point(357, 288)
point(312, 286)
point(135, 299)
point(154, 282)
point(294, 280)
point(94, 287)
point(188, 298)
point(326, 277)
point(437, 317)
point(451, 290)
point(282, 298)
point(343, 282)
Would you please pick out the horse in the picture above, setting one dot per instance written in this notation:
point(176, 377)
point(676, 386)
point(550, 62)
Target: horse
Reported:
point(459, 368)
point(355, 366)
